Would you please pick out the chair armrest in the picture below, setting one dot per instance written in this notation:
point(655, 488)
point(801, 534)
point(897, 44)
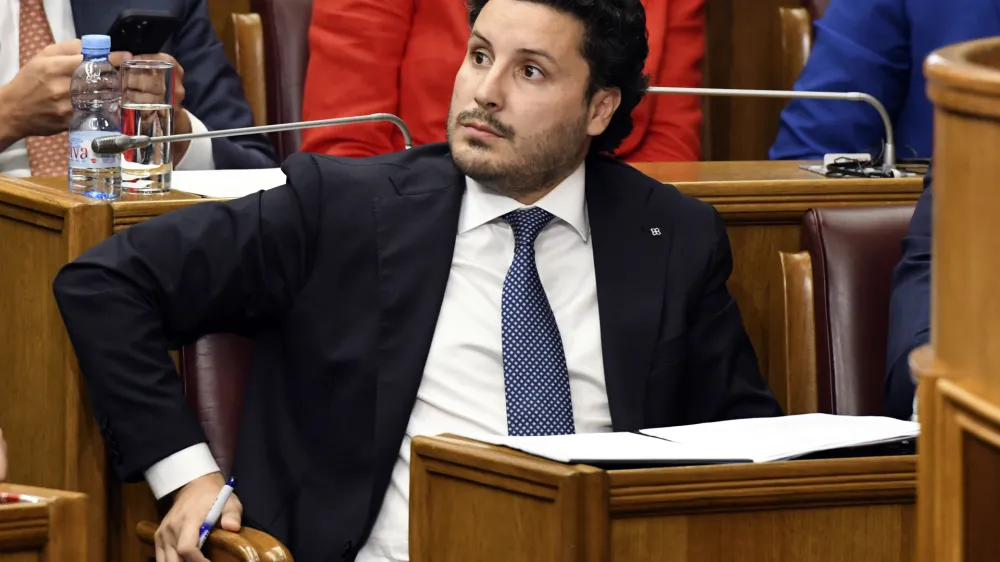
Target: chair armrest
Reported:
point(249, 545)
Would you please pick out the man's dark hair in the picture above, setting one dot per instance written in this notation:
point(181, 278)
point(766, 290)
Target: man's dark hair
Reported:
point(615, 46)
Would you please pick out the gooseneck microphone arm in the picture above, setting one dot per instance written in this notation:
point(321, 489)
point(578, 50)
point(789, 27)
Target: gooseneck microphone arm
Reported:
point(888, 153)
point(115, 144)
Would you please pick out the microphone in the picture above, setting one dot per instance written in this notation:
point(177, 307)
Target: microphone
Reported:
point(116, 144)
point(889, 150)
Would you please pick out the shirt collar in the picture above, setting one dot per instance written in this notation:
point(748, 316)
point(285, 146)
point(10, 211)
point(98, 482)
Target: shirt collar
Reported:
point(567, 202)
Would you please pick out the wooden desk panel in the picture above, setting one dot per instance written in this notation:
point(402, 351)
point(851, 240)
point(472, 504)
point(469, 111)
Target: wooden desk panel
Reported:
point(470, 500)
point(55, 530)
point(51, 435)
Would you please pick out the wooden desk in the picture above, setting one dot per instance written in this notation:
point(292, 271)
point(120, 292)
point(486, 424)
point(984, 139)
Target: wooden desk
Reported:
point(55, 530)
point(470, 501)
point(47, 419)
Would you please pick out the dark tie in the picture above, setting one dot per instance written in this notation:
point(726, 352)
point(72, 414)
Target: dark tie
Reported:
point(534, 364)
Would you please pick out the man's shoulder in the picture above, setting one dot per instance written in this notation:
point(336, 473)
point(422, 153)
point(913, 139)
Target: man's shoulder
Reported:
point(428, 161)
point(661, 198)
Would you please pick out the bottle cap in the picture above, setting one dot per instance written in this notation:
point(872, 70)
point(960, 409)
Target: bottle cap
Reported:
point(96, 44)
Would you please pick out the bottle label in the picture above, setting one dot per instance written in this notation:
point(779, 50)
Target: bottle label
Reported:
point(82, 155)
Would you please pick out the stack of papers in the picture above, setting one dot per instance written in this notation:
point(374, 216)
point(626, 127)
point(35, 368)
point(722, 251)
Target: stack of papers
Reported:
point(226, 184)
point(747, 440)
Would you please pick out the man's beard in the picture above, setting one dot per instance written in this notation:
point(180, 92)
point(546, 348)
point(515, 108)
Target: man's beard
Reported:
point(539, 162)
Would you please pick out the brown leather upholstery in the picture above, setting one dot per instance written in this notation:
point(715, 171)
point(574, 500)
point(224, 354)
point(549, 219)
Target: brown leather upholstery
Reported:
point(215, 369)
point(286, 38)
point(816, 7)
point(248, 57)
point(795, 25)
point(853, 253)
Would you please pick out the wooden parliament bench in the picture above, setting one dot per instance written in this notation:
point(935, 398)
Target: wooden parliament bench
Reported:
point(53, 527)
point(46, 416)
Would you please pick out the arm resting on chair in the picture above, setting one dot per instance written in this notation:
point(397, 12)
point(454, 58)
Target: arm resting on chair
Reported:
point(248, 545)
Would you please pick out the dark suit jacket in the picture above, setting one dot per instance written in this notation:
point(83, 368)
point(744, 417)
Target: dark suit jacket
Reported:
point(909, 307)
point(339, 276)
point(214, 93)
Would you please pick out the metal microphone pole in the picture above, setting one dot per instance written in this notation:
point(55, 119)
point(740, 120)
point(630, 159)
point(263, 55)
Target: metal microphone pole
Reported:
point(888, 152)
point(115, 144)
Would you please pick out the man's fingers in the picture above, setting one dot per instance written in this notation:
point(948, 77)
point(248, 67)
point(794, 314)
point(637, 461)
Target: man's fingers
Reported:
point(60, 66)
point(187, 543)
point(232, 515)
point(70, 47)
point(118, 57)
point(161, 555)
point(178, 69)
point(172, 555)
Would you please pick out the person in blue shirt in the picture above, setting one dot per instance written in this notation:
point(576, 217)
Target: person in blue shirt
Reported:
point(877, 47)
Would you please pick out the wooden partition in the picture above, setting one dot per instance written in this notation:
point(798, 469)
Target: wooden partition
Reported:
point(471, 501)
point(51, 434)
point(57, 529)
point(46, 416)
point(959, 373)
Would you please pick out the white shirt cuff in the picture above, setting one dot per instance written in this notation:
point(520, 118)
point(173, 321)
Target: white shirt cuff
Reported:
point(180, 468)
point(199, 152)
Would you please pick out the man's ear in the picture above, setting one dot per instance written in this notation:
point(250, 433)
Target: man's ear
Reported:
point(603, 105)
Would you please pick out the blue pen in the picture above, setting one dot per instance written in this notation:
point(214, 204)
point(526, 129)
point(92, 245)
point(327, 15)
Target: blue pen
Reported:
point(216, 511)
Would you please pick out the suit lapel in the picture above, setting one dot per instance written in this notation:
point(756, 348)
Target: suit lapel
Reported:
point(415, 232)
point(630, 261)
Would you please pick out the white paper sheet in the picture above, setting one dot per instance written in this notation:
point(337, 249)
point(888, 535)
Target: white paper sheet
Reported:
point(226, 184)
point(749, 440)
point(770, 439)
point(605, 448)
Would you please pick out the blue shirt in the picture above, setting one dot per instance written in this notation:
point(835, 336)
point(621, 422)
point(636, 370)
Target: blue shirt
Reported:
point(877, 47)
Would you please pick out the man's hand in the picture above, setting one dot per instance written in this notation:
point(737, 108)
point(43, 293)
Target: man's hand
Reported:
point(36, 102)
point(177, 537)
point(182, 124)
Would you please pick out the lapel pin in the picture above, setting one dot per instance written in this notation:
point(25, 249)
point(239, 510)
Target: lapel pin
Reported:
point(654, 231)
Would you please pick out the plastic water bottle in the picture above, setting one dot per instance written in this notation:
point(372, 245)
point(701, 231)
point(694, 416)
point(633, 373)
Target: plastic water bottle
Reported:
point(95, 91)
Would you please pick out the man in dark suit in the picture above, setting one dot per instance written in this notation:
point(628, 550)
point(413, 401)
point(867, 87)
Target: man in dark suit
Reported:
point(514, 280)
point(909, 308)
point(208, 95)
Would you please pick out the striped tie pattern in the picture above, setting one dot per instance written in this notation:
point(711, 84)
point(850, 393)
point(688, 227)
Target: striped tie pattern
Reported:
point(47, 156)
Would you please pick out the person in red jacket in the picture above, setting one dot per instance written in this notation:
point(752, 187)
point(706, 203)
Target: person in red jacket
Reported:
point(401, 56)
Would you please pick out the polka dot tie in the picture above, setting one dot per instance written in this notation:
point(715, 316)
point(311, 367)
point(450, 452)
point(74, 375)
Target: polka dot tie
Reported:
point(47, 156)
point(534, 364)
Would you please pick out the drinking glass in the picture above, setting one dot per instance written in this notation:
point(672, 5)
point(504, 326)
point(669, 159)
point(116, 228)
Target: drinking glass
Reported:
point(147, 109)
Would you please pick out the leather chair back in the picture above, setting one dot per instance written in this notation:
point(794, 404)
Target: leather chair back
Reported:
point(853, 254)
point(816, 7)
point(248, 57)
point(795, 27)
point(215, 370)
point(286, 37)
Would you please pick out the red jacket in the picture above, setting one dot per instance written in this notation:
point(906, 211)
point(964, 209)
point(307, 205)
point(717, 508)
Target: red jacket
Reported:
point(401, 56)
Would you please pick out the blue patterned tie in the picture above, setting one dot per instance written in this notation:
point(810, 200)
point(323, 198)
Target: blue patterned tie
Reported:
point(534, 364)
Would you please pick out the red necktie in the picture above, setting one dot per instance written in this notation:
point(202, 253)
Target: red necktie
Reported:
point(47, 156)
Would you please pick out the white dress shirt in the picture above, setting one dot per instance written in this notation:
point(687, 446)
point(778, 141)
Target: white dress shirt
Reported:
point(14, 160)
point(462, 389)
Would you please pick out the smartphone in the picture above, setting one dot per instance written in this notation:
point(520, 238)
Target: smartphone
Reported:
point(142, 32)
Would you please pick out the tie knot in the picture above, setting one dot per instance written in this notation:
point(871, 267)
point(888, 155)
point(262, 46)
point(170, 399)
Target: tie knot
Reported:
point(527, 223)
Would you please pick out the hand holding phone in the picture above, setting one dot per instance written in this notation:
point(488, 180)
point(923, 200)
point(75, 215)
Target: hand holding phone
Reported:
point(142, 32)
